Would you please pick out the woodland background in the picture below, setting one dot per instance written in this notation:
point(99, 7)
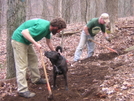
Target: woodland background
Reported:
point(14, 12)
point(104, 77)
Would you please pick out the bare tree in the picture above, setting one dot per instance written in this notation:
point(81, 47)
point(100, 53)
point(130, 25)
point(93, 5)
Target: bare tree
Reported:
point(66, 10)
point(86, 10)
point(60, 8)
point(76, 10)
point(56, 8)
point(131, 7)
point(92, 9)
point(15, 16)
point(128, 7)
point(2, 14)
point(125, 8)
point(82, 9)
point(0, 17)
point(73, 10)
point(47, 9)
point(28, 9)
point(110, 4)
point(121, 8)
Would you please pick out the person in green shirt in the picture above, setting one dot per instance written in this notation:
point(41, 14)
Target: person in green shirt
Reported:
point(93, 27)
point(23, 38)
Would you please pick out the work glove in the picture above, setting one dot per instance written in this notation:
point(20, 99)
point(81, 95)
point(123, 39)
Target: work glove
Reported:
point(108, 39)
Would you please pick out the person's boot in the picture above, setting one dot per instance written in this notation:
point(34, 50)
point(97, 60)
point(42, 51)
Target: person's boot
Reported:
point(41, 81)
point(26, 94)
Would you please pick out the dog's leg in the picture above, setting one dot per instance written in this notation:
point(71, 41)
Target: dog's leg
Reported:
point(56, 69)
point(65, 77)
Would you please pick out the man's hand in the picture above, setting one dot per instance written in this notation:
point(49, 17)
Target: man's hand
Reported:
point(108, 39)
point(38, 46)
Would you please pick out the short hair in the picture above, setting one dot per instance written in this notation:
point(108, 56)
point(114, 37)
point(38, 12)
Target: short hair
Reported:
point(58, 22)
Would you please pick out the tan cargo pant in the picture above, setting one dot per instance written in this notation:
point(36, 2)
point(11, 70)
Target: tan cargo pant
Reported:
point(25, 57)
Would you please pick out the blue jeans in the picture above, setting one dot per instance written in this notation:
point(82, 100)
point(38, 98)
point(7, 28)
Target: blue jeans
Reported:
point(84, 41)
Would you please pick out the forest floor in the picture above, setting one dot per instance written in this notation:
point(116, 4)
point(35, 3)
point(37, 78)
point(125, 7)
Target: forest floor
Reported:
point(106, 76)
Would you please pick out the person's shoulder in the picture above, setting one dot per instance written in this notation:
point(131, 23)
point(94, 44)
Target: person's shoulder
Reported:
point(39, 20)
point(43, 20)
point(93, 20)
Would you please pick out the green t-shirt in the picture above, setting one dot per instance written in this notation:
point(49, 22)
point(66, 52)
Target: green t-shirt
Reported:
point(38, 28)
point(94, 27)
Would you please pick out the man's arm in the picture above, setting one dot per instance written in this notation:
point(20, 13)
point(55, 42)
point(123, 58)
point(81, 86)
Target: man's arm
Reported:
point(48, 42)
point(27, 35)
point(86, 30)
point(106, 36)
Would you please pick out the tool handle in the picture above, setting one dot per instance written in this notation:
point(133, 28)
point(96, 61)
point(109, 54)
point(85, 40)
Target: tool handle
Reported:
point(103, 46)
point(45, 72)
point(98, 43)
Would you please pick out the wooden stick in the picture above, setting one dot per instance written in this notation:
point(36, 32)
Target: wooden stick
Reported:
point(45, 72)
point(104, 46)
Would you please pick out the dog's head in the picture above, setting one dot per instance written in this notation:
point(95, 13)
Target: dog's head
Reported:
point(53, 56)
point(59, 49)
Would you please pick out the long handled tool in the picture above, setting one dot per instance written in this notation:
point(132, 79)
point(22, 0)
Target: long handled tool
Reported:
point(50, 97)
point(104, 46)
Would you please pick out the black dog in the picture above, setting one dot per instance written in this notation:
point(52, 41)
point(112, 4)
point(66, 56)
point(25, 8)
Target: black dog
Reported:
point(59, 65)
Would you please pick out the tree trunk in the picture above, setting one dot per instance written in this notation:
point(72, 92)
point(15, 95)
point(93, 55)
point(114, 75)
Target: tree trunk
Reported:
point(55, 8)
point(15, 16)
point(113, 13)
point(47, 12)
point(28, 9)
point(66, 7)
point(86, 11)
point(0, 17)
point(60, 8)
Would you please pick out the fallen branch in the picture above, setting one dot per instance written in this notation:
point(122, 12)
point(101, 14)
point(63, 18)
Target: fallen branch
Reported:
point(127, 27)
point(129, 49)
point(69, 33)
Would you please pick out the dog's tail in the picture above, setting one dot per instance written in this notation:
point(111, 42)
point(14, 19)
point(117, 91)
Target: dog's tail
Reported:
point(59, 49)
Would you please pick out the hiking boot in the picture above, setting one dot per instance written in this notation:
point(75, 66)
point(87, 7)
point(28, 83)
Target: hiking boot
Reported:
point(27, 94)
point(73, 64)
point(41, 81)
